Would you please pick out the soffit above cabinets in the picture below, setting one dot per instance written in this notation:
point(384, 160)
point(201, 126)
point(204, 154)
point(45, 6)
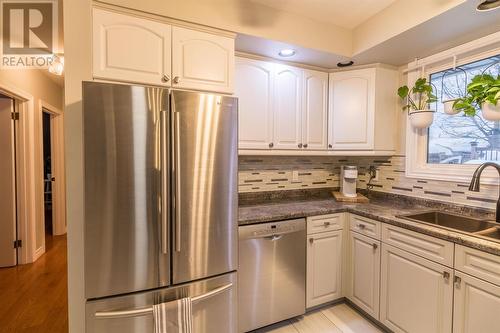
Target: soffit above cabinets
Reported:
point(345, 14)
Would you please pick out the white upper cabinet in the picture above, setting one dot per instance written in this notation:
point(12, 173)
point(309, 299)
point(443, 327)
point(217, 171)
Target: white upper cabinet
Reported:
point(362, 109)
point(132, 49)
point(315, 110)
point(287, 107)
point(254, 89)
point(202, 61)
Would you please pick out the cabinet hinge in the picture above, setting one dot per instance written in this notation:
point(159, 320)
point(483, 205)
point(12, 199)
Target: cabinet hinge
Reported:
point(15, 115)
point(18, 243)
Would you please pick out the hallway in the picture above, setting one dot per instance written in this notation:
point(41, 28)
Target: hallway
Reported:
point(34, 296)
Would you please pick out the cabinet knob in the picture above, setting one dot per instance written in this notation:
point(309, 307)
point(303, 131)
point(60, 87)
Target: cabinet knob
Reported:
point(311, 240)
point(271, 145)
point(300, 145)
point(326, 224)
point(176, 79)
point(446, 275)
point(457, 280)
point(375, 246)
point(361, 226)
point(165, 78)
point(330, 146)
point(305, 145)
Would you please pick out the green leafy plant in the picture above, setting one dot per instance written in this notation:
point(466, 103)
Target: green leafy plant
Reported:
point(483, 88)
point(418, 97)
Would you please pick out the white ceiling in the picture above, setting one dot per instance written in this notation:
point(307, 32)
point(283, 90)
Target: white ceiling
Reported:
point(343, 13)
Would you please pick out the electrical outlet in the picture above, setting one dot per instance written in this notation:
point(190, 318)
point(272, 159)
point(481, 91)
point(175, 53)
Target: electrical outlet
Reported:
point(295, 176)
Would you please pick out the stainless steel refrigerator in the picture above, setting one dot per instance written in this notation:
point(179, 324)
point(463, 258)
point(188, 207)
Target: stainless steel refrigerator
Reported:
point(160, 206)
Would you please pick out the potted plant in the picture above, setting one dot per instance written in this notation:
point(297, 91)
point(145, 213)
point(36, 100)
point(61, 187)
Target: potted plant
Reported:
point(448, 97)
point(482, 93)
point(417, 100)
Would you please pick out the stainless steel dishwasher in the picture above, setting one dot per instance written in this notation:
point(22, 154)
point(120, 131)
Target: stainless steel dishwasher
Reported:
point(272, 273)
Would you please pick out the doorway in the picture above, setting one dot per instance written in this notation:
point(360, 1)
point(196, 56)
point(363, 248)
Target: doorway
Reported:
point(8, 183)
point(47, 176)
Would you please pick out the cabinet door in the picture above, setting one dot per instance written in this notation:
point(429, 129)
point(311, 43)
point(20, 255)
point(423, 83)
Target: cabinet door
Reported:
point(315, 109)
point(202, 61)
point(364, 288)
point(324, 258)
point(127, 48)
point(352, 110)
point(416, 294)
point(253, 85)
point(476, 305)
point(287, 107)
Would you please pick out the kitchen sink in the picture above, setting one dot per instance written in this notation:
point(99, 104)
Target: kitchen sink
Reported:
point(468, 225)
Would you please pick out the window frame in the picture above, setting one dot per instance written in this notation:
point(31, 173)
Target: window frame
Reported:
point(417, 139)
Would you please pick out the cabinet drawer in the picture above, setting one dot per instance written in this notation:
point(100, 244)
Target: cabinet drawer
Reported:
point(432, 248)
point(323, 223)
point(477, 263)
point(365, 226)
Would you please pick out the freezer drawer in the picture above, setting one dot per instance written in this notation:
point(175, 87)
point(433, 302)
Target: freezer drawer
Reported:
point(214, 308)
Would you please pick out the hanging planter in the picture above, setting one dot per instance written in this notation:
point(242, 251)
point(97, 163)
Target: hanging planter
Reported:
point(421, 118)
point(417, 101)
point(449, 107)
point(449, 97)
point(490, 111)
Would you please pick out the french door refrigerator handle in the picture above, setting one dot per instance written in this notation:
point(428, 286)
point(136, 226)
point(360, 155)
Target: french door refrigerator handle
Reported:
point(177, 182)
point(149, 310)
point(164, 182)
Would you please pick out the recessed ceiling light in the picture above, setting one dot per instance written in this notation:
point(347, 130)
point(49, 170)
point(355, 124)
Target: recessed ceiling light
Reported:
point(487, 5)
point(287, 53)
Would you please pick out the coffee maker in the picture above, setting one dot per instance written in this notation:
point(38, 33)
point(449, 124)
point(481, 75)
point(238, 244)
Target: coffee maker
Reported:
point(348, 177)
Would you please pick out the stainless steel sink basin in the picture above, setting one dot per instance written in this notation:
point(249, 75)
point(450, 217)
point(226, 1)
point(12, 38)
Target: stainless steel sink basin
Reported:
point(468, 225)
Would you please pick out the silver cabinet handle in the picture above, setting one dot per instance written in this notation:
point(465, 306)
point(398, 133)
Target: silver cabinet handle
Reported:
point(271, 145)
point(164, 182)
point(300, 145)
point(149, 310)
point(177, 149)
point(446, 275)
point(375, 246)
point(165, 78)
point(305, 145)
point(176, 79)
point(361, 226)
point(457, 280)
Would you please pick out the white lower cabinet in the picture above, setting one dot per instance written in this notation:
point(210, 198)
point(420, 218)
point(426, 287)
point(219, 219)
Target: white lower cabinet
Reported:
point(364, 289)
point(476, 305)
point(324, 267)
point(416, 293)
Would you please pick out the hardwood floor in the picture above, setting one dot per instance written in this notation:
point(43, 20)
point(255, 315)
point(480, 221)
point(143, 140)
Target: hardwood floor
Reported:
point(339, 318)
point(34, 296)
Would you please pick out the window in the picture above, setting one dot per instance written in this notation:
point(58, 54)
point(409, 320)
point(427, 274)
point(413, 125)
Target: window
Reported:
point(457, 139)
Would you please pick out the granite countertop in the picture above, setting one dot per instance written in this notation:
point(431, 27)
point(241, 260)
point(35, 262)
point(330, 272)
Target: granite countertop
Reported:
point(383, 209)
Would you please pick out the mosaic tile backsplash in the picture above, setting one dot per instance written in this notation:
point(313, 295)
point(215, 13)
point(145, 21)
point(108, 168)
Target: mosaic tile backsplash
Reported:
point(276, 173)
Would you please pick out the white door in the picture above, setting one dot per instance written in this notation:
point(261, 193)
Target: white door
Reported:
point(476, 305)
point(131, 49)
point(315, 110)
point(352, 110)
point(202, 61)
point(7, 185)
point(416, 294)
point(253, 85)
point(287, 107)
point(364, 290)
point(324, 259)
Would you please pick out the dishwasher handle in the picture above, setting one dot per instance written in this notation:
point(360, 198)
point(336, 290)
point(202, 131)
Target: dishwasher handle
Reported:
point(271, 231)
point(274, 237)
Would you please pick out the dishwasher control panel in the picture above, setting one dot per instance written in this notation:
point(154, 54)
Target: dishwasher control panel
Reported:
point(272, 228)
